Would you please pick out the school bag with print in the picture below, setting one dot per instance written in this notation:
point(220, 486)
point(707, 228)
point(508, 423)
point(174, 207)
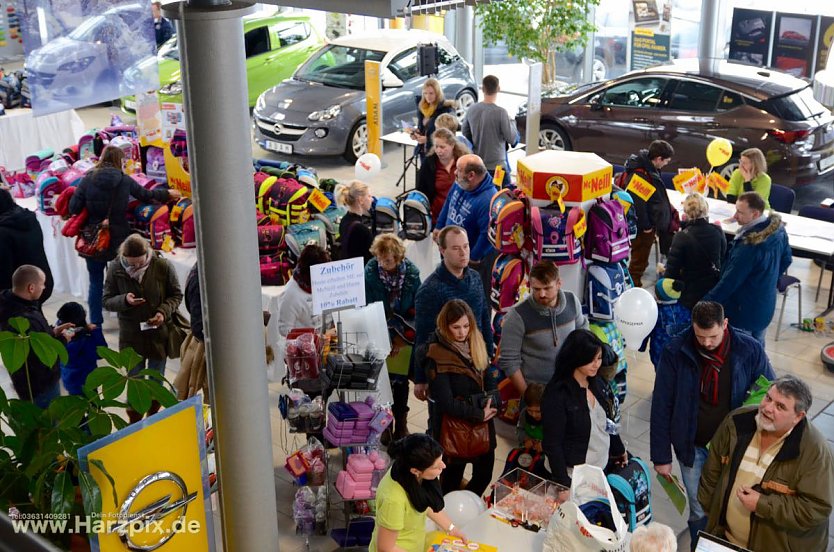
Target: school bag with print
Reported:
point(632, 488)
point(606, 238)
point(605, 283)
point(332, 218)
point(415, 214)
point(385, 216)
point(153, 222)
point(508, 221)
point(276, 269)
point(298, 236)
point(49, 187)
point(508, 276)
point(559, 242)
point(181, 217)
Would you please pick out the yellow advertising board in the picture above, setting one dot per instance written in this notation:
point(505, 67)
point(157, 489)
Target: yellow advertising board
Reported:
point(564, 176)
point(178, 177)
point(373, 102)
point(159, 498)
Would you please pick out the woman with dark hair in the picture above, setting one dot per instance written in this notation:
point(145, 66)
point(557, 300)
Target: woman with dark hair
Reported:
point(577, 410)
point(21, 243)
point(105, 192)
point(455, 362)
point(437, 173)
point(407, 494)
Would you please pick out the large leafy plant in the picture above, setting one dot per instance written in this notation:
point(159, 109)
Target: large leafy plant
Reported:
point(39, 468)
point(537, 29)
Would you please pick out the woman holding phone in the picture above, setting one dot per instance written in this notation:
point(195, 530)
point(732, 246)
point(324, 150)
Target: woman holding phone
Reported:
point(430, 105)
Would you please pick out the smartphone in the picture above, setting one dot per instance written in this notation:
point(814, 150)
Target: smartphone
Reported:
point(144, 326)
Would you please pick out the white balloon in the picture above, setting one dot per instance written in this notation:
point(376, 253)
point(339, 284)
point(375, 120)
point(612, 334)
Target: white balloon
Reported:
point(463, 507)
point(367, 166)
point(635, 314)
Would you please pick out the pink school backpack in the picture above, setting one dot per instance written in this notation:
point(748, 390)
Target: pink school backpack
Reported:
point(606, 239)
point(559, 244)
point(152, 221)
point(508, 274)
point(181, 218)
point(49, 187)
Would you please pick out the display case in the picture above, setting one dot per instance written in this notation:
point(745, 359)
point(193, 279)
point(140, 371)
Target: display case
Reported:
point(522, 497)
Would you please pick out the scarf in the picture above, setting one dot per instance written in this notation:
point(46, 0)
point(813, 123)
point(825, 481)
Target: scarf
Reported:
point(711, 364)
point(426, 109)
point(296, 275)
point(463, 348)
point(138, 272)
point(393, 283)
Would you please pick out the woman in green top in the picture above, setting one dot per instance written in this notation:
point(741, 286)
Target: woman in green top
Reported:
point(408, 493)
point(750, 176)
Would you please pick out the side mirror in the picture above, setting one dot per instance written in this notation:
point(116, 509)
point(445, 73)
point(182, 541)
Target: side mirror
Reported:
point(391, 81)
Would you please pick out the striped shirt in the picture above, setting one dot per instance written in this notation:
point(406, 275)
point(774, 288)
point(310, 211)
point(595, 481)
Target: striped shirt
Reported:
point(750, 472)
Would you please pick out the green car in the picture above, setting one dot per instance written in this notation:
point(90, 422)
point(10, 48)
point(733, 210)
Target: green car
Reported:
point(275, 46)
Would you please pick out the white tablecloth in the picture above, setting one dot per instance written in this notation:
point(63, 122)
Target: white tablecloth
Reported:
point(22, 134)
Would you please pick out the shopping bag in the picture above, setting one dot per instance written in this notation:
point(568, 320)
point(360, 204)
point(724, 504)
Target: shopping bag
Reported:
point(570, 530)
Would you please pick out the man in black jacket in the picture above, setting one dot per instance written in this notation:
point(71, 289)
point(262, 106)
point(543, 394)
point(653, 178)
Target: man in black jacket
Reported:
point(42, 384)
point(654, 212)
point(21, 242)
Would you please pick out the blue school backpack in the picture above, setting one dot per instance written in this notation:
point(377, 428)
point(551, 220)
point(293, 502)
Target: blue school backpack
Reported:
point(605, 283)
point(632, 488)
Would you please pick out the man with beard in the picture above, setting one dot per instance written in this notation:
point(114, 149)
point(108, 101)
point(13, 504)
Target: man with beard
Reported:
point(768, 483)
point(704, 373)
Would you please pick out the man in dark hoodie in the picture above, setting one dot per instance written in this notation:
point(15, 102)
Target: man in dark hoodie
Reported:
point(654, 212)
point(21, 242)
point(23, 300)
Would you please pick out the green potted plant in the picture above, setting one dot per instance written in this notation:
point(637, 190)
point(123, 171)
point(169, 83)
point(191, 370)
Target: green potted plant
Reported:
point(39, 469)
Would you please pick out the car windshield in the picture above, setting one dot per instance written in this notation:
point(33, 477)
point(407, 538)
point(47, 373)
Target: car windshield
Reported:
point(169, 50)
point(341, 66)
point(798, 106)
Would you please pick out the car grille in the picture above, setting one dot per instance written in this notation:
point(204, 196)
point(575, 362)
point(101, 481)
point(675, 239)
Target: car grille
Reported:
point(280, 131)
point(44, 79)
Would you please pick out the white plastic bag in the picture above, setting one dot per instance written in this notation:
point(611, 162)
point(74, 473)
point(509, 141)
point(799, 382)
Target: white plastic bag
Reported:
point(570, 531)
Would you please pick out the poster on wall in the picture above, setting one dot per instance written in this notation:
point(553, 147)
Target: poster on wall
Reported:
point(793, 43)
point(750, 36)
point(77, 53)
point(824, 42)
point(649, 48)
point(11, 38)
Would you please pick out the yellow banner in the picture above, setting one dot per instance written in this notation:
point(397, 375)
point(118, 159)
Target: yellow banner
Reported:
point(718, 182)
point(178, 177)
point(580, 227)
point(498, 175)
point(640, 187)
point(373, 103)
point(318, 200)
point(159, 484)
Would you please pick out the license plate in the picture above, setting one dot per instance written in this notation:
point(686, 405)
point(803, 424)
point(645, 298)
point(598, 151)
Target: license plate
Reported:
point(279, 147)
point(827, 163)
point(130, 104)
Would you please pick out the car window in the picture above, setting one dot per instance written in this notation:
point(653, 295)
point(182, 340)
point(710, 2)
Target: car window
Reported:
point(729, 100)
point(256, 41)
point(644, 92)
point(798, 106)
point(694, 96)
point(292, 33)
point(341, 66)
point(405, 65)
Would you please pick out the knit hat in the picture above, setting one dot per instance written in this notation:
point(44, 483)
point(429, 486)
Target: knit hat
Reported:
point(667, 291)
point(74, 313)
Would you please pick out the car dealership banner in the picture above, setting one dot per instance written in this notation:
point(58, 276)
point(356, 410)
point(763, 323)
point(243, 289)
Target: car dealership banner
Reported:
point(650, 33)
point(77, 53)
point(750, 36)
point(793, 43)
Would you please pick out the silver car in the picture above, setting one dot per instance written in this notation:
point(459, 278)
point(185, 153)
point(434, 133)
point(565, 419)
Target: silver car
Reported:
point(321, 109)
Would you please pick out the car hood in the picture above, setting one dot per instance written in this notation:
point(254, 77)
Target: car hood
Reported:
point(60, 51)
point(295, 96)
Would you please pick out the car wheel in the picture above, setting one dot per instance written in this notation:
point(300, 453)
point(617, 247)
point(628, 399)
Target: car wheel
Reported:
point(727, 170)
point(465, 100)
point(551, 137)
point(599, 72)
point(357, 144)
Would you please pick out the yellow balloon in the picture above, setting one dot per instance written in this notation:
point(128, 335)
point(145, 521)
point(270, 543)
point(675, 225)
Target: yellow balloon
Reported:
point(719, 152)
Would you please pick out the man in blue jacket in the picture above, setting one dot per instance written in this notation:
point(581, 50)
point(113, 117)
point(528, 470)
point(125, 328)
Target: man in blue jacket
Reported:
point(467, 206)
point(704, 373)
point(758, 255)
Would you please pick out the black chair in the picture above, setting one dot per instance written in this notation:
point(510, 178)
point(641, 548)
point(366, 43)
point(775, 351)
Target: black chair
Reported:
point(781, 198)
point(783, 285)
point(826, 214)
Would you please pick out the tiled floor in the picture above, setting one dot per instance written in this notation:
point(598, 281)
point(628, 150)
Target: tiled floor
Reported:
point(796, 352)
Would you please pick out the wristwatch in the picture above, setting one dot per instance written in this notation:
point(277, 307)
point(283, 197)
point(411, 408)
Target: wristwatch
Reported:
point(451, 526)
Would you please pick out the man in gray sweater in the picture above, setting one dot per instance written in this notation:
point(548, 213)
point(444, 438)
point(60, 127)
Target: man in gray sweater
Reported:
point(534, 330)
point(489, 127)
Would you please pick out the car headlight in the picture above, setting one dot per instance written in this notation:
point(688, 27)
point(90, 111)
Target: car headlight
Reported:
point(172, 89)
point(261, 103)
point(326, 114)
point(77, 65)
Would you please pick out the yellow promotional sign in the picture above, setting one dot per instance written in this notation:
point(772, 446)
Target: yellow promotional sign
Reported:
point(640, 187)
point(498, 175)
point(686, 180)
point(580, 227)
point(318, 200)
point(597, 183)
point(373, 103)
point(178, 177)
point(718, 182)
point(525, 180)
point(161, 497)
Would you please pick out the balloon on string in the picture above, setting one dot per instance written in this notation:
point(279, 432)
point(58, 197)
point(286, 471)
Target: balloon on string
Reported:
point(367, 166)
point(463, 506)
point(719, 152)
point(635, 314)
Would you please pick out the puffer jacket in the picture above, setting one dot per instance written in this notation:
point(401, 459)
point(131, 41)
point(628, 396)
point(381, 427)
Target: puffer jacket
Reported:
point(105, 193)
point(161, 292)
point(694, 251)
point(797, 488)
point(21, 243)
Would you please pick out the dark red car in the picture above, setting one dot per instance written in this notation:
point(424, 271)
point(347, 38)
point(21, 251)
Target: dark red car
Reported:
point(689, 103)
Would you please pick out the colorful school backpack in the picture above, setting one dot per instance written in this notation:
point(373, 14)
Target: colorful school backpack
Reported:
point(497, 327)
point(276, 270)
point(91, 143)
point(508, 221)
point(284, 200)
point(559, 242)
point(49, 187)
point(627, 201)
point(39, 161)
point(632, 488)
point(270, 238)
point(298, 236)
point(144, 180)
point(606, 239)
point(605, 283)
point(332, 218)
point(608, 332)
point(133, 156)
point(70, 153)
point(508, 275)
point(155, 164)
point(153, 222)
point(72, 176)
point(181, 218)
point(415, 214)
point(123, 130)
point(385, 216)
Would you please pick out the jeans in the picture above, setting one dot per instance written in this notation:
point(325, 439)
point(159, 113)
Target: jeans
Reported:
point(46, 396)
point(452, 476)
point(152, 364)
point(94, 293)
point(691, 478)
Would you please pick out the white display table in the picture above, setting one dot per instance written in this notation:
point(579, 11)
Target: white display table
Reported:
point(21, 134)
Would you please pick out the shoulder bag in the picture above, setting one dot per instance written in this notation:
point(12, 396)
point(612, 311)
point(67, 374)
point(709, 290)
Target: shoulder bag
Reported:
point(94, 239)
point(462, 439)
point(178, 328)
